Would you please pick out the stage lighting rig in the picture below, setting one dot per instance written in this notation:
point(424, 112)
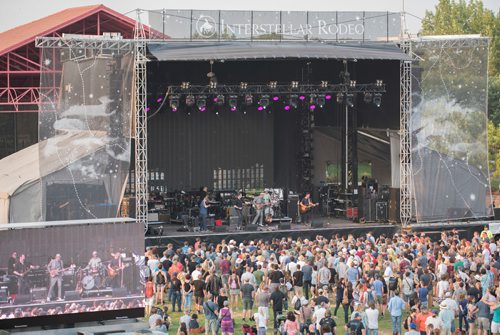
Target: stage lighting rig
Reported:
point(368, 97)
point(264, 101)
point(352, 83)
point(379, 83)
point(377, 99)
point(220, 99)
point(313, 99)
point(174, 102)
point(190, 100)
point(340, 98)
point(201, 103)
point(324, 84)
point(185, 85)
point(212, 84)
point(294, 100)
point(233, 102)
point(294, 85)
point(243, 86)
point(273, 85)
point(349, 99)
point(248, 99)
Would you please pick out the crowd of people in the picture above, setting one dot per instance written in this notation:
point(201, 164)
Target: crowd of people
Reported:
point(69, 308)
point(445, 285)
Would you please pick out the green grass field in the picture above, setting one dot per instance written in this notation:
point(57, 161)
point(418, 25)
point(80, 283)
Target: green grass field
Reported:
point(384, 323)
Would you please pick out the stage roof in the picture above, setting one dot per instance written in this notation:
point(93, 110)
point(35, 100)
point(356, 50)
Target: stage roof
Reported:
point(199, 51)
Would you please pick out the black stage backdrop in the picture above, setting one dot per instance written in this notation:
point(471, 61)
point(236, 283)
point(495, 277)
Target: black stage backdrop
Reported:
point(189, 148)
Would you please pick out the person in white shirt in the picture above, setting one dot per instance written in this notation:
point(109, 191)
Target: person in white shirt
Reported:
point(292, 266)
point(434, 320)
point(319, 314)
point(185, 318)
point(372, 317)
point(388, 272)
point(261, 321)
point(442, 287)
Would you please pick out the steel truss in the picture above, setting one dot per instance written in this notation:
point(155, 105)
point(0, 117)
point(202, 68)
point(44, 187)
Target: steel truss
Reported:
point(141, 126)
point(279, 89)
point(405, 196)
point(96, 43)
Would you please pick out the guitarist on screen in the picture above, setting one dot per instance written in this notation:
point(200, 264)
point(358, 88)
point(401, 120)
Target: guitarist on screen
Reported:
point(21, 270)
point(305, 206)
point(115, 271)
point(55, 269)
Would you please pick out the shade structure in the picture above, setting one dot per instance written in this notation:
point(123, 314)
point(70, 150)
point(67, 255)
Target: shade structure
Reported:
point(199, 51)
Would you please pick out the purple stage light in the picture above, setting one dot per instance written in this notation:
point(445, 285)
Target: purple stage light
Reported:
point(260, 108)
point(233, 109)
point(312, 107)
point(302, 97)
point(328, 97)
point(174, 109)
point(287, 108)
point(276, 98)
point(159, 99)
point(202, 109)
point(147, 109)
point(215, 99)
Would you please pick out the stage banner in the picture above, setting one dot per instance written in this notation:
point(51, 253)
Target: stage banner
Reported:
point(217, 25)
point(84, 136)
point(449, 129)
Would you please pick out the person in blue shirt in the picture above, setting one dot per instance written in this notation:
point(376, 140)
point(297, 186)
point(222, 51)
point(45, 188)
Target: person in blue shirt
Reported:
point(307, 278)
point(423, 292)
point(396, 306)
point(204, 213)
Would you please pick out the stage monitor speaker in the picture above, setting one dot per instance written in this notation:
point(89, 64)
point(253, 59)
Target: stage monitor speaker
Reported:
point(39, 293)
point(219, 229)
point(284, 226)
point(292, 209)
point(394, 203)
point(316, 224)
point(119, 292)
point(71, 295)
point(22, 299)
point(251, 227)
point(458, 213)
point(497, 213)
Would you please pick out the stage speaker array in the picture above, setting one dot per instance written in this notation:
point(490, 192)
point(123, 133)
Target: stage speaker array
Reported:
point(394, 204)
point(292, 209)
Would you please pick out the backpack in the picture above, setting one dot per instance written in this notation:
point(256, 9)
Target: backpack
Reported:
point(297, 304)
point(369, 297)
point(393, 283)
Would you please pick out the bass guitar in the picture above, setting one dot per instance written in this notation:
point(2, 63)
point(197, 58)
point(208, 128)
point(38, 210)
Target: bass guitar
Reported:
point(56, 272)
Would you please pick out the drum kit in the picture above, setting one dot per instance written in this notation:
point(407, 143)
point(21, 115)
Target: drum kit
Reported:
point(91, 278)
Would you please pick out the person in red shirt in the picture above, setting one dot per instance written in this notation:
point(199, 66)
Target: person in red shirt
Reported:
point(421, 318)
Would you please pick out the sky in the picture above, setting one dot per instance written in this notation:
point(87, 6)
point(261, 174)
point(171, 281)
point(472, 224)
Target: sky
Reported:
point(16, 12)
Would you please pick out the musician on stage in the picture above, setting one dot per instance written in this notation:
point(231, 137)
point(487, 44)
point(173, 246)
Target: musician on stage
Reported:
point(306, 205)
point(115, 271)
point(21, 270)
point(95, 262)
point(259, 203)
point(55, 269)
point(204, 213)
point(238, 208)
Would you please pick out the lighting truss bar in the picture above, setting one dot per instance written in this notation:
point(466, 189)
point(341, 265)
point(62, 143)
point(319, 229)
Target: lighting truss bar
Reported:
point(85, 43)
point(279, 89)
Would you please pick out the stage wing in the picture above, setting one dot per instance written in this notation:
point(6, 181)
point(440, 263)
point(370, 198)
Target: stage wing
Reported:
point(197, 51)
point(449, 129)
point(84, 133)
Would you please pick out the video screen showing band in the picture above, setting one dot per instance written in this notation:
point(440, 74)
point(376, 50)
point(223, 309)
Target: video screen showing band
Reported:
point(70, 269)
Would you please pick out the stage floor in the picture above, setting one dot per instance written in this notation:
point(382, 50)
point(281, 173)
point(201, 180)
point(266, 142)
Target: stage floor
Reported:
point(163, 233)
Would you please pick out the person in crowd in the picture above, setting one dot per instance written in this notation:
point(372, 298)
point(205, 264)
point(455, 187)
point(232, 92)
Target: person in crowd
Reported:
point(396, 306)
point(413, 329)
point(291, 326)
point(247, 296)
point(372, 315)
point(261, 318)
point(226, 319)
point(277, 298)
point(211, 314)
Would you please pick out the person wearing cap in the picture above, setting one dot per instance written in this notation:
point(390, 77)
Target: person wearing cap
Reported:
point(421, 318)
point(305, 315)
point(447, 317)
point(355, 326)
point(413, 329)
point(329, 321)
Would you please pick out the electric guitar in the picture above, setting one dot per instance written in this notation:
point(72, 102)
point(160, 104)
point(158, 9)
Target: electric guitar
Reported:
point(56, 272)
point(113, 272)
point(305, 208)
point(22, 275)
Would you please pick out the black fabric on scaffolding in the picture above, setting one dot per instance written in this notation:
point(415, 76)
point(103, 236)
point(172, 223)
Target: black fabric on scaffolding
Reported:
point(191, 51)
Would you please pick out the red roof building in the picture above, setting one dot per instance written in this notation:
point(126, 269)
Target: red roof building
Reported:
point(20, 66)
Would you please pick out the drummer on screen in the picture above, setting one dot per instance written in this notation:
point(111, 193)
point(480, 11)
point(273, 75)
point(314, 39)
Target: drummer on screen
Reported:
point(95, 263)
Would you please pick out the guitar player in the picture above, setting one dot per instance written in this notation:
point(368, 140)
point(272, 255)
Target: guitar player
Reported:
point(115, 271)
point(21, 270)
point(305, 207)
point(55, 269)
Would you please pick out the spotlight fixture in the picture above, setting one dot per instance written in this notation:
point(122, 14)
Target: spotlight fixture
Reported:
point(352, 83)
point(340, 98)
point(379, 83)
point(377, 99)
point(313, 99)
point(294, 85)
point(349, 99)
point(243, 85)
point(159, 99)
point(233, 102)
point(294, 100)
point(201, 103)
point(324, 84)
point(321, 101)
point(287, 107)
point(273, 84)
point(213, 84)
point(248, 99)
point(219, 99)
point(190, 100)
point(276, 98)
point(185, 85)
point(174, 102)
point(264, 101)
point(367, 98)
point(312, 107)
point(328, 97)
